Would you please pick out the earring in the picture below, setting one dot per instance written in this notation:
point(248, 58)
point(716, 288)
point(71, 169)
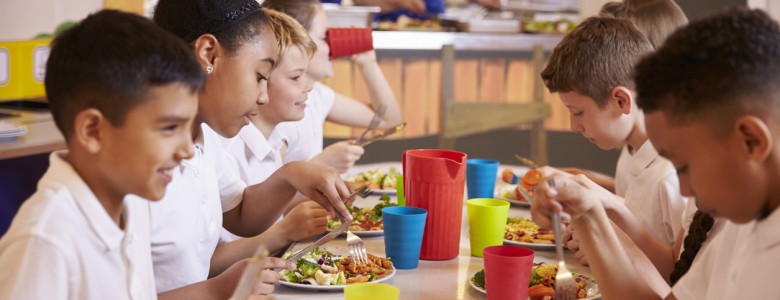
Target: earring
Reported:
point(209, 69)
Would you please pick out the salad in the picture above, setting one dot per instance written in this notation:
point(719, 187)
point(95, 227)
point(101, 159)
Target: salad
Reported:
point(542, 283)
point(321, 267)
point(377, 179)
point(365, 219)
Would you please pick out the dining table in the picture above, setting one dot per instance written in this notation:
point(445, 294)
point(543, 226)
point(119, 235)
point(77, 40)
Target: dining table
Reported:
point(442, 279)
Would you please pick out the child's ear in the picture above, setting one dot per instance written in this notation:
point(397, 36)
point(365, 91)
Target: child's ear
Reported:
point(206, 50)
point(623, 98)
point(87, 129)
point(756, 137)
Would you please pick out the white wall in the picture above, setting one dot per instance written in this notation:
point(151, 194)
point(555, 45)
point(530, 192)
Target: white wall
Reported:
point(24, 19)
point(589, 8)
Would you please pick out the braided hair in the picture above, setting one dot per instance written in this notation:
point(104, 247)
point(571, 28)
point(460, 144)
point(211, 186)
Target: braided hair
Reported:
point(697, 234)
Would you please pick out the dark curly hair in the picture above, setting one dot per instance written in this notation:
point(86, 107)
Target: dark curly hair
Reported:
point(714, 69)
point(108, 62)
point(232, 22)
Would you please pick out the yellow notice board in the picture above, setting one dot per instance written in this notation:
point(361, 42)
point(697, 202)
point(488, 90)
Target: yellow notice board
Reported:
point(23, 68)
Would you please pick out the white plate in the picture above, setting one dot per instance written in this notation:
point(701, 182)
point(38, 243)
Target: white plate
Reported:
point(544, 247)
point(369, 233)
point(513, 201)
point(385, 191)
point(590, 286)
point(330, 288)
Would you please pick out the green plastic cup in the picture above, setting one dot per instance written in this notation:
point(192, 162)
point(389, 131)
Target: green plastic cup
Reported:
point(399, 190)
point(487, 223)
point(371, 291)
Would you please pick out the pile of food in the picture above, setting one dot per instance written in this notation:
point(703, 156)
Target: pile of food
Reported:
point(320, 267)
point(542, 283)
point(406, 23)
point(365, 219)
point(526, 231)
point(377, 179)
point(529, 181)
point(548, 27)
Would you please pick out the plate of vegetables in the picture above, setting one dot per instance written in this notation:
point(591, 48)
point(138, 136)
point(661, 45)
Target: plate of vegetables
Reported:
point(366, 221)
point(321, 270)
point(378, 180)
point(542, 283)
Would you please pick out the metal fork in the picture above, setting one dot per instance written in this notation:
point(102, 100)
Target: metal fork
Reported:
point(355, 245)
point(565, 286)
point(378, 115)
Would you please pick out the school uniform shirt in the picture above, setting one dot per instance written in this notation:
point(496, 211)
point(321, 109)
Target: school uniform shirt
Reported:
point(305, 136)
point(741, 262)
point(63, 244)
point(186, 223)
point(650, 187)
point(255, 157)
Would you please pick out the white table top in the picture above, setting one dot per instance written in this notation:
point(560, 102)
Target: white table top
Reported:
point(432, 279)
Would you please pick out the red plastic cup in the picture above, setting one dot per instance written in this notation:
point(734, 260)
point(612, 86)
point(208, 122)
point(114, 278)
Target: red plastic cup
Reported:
point(434, 180)
point(507, 272)
point(345, 41)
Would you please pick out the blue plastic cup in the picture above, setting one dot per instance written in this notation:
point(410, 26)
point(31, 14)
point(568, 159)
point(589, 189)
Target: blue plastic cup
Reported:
point(481, 177)
point(404, 227)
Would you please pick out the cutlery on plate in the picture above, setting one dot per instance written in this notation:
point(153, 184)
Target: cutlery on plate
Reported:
point(565, 286)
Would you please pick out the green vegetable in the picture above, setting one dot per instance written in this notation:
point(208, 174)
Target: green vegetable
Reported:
point(291, 276)
point(479, 279)
point(384, 201)
point(340, 279)
point(307, 268)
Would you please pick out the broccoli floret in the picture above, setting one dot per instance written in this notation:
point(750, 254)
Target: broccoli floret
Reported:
point(535, 278)
point(307, 268)
point(340, 279)
point(479, 279)
point(384, 201)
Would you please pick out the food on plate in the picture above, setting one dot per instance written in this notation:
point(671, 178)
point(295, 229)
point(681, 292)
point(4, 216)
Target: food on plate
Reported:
point(377, 179)
point(509, 176)
point(526, 231)
point(406, 23)
point(542, 283)
point(531, 179)
point(365, 219)
point(321, 267)
point(560, 26)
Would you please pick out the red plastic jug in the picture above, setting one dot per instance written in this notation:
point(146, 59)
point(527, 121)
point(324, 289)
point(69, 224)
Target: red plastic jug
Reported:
point(434, 180)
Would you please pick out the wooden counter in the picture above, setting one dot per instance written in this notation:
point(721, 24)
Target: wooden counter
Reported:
point(42, 135)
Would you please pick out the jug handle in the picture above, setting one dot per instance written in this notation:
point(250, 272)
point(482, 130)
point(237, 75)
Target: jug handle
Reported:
point(403, 169)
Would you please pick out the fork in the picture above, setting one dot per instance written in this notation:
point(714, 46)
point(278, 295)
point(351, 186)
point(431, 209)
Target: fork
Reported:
point(380, 112)
point(355, 245)
point(565, 287)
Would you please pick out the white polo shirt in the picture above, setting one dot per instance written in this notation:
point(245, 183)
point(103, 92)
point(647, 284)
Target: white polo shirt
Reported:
point(649, 184)
point(305, 136)
point(255, 157)
point(186, 223)
point(63, 244)
point(741, 262)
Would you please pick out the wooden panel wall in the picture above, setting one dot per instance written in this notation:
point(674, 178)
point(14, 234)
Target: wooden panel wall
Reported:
point(416, 83)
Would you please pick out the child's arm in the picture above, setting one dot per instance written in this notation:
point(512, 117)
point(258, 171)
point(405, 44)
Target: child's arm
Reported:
point(263, 203)
point(604, 181)
point(341, 156)
point(618, 276)
point(351, 112)
point(304, 220)
point(223, 285)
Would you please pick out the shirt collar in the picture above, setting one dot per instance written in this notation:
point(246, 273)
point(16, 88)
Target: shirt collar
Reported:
point(642, 158)
point(766, 231)
point(255, 141)
point(62, 174)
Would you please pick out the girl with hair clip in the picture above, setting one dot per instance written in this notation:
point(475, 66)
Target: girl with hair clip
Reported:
point(305, 137)
point(234, 44)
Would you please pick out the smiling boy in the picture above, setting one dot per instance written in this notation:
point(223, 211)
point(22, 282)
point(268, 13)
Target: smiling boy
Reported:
point(123, 92)
point(711, 96)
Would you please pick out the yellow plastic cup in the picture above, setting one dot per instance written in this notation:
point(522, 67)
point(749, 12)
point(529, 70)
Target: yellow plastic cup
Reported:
point(371, 291)
point(487, 223)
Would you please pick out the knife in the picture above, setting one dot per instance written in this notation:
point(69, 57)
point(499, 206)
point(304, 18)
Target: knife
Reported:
point(378, 115)
point(382, 134)
point(326, 238)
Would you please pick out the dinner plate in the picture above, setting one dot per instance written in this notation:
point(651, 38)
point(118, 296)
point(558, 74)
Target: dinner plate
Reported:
point(330, 288)
point(383, 191)
point(590, 286)
point(513, 201)
point(366, 233)
point(544, 247)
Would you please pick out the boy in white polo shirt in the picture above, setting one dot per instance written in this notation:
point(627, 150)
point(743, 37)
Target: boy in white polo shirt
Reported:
point(123, 92)
point(591, 72)
point(711, 96)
